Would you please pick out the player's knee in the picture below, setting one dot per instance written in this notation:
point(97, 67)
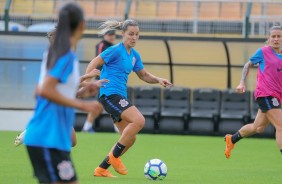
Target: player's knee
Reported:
point(278, 128)
point(140, 122)
point(100, 108)
point(260, 130)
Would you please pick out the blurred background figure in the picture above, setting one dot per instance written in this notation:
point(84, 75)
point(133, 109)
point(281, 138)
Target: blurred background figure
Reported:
point(108, 40)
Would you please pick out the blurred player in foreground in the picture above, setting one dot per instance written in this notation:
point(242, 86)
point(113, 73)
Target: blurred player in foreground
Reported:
point(268, 92)
point(92, 86)
point(48, 134)
point(107, 41)
point(118, 62)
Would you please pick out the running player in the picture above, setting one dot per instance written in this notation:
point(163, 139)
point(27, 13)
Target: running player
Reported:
point(107, 41)
point(268, 91)
point(48, 134)
point(118, 62)
point(92, 89)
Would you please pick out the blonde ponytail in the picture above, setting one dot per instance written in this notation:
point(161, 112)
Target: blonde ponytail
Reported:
point(110, 25)
point(116, 25)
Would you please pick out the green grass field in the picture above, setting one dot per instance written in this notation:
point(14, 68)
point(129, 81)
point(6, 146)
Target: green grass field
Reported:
point(190, 159)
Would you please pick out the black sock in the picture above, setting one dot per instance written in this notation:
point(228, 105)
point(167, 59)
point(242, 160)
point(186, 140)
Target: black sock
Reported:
point(281, 151)
point(118, 150)
point(236, 137)
point(105, 164)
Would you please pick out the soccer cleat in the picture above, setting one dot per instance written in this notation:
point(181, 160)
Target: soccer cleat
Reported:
point(117, 164)
point(100, 172)
point(19, 139)
point(229, 145)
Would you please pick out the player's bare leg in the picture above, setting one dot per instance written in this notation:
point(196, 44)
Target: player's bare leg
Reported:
point(260, 123)
point(132, 122)
point(99, 171)
point(91, 116)
point(275, 117)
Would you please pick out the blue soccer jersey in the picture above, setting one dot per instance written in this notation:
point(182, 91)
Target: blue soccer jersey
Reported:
point(51, 124)
point(118, 65)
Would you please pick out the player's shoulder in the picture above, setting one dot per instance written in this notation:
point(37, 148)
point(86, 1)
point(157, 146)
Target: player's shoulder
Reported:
point(69, 57)
point(115, 47)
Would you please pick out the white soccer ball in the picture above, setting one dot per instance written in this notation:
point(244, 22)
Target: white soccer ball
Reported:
point(155, 169)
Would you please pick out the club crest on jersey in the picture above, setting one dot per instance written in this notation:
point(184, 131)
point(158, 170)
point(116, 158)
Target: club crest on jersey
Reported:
point(123, 103)
point(66, 171)
point(275, 102)
point(133, 61)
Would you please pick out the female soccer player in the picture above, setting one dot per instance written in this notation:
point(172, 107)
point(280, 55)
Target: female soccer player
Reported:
point(268, 91)
point(48, 134)
point(118, 62)
point(87, 89)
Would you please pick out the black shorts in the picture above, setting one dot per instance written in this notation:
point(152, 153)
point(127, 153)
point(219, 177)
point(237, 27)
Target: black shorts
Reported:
point(115, 105)
point(51, 165)
point(267, 103)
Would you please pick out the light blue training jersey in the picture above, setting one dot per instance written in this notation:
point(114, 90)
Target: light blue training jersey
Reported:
point(51, 124)
point(118, 65)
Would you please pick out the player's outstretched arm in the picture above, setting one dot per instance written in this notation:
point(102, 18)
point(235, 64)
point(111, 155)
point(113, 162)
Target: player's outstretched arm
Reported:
point(91, 67)
point(49, 91)
point(91, 74)
point(150, 78)
point(241, 87)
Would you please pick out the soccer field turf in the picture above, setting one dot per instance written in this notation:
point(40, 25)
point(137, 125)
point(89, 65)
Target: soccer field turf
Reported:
point(190, 159)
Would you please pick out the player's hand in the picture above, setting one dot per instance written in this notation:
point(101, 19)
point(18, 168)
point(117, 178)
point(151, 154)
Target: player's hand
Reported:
point(241, 88)
point(165, 82)
point(91, 88)
point(102, 83)
point(93, 73)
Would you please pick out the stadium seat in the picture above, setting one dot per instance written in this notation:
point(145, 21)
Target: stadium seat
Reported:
point(21, 7)
point(204, 111)
point(43, 7)
point(208, 10)
point(256, 9)
point(167, 10)
point(146, 9)
point(147, 100)
point(2, 6)
point(231, 11)
point(104, 123)
point(105, 9)
point(186, 10)
point(175, 110)
point(234, 112)
point(273, 9)
point(88, 8)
